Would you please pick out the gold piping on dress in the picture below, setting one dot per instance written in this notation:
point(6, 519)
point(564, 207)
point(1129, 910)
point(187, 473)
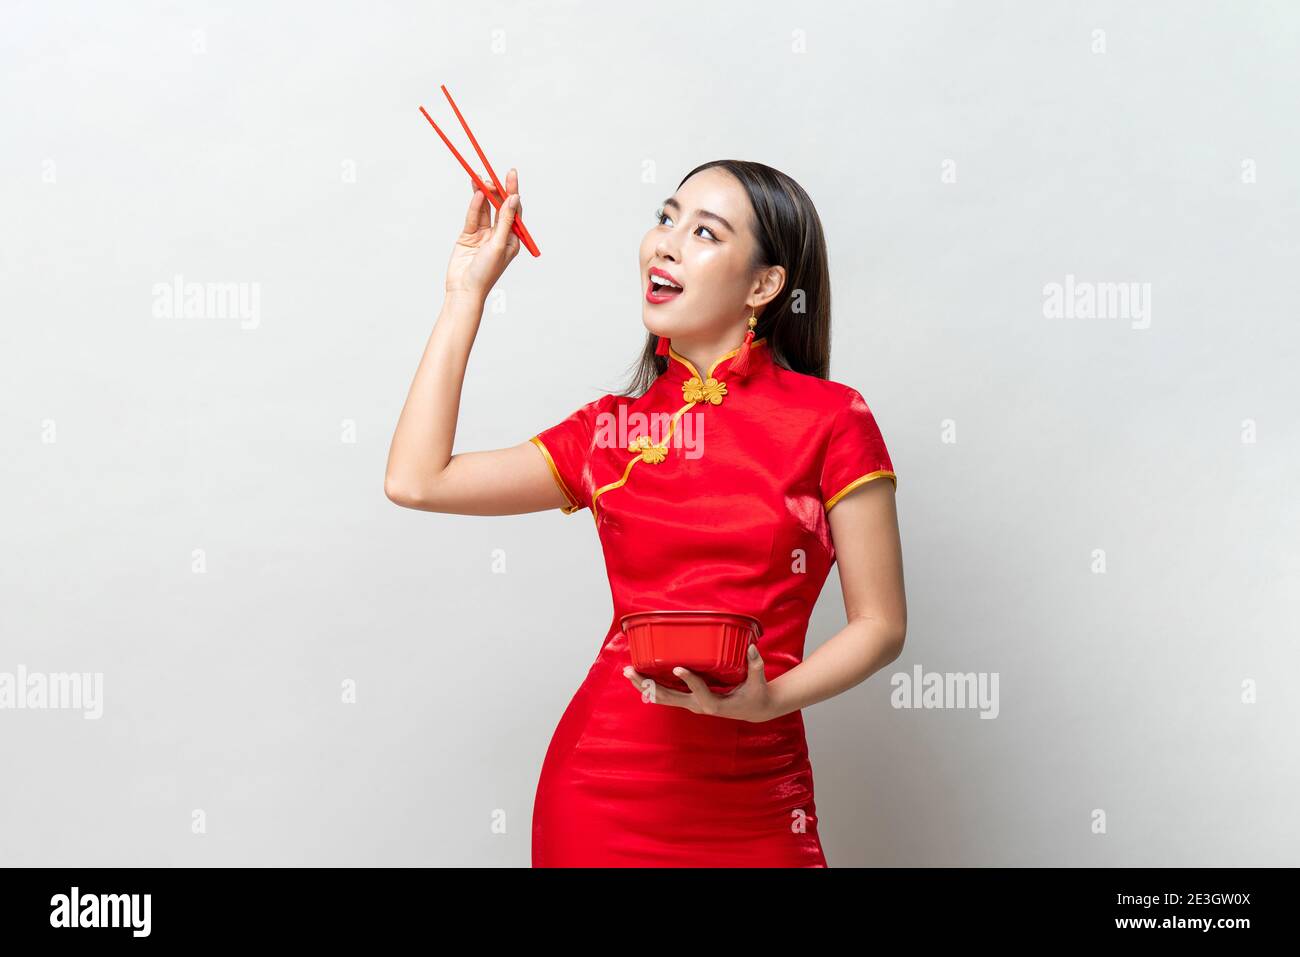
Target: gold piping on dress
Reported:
point(574, 504)
point(861, 480)
point(697, 386)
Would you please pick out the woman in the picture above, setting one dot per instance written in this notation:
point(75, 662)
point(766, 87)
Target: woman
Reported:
point(749, 475)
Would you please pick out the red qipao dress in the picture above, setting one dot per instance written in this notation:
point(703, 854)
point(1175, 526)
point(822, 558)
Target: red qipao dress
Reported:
point(715, 498)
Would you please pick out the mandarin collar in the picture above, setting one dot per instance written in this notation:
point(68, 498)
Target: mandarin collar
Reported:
point(680, 368)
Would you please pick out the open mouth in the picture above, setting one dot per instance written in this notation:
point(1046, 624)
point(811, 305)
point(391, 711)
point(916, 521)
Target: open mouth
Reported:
point(661, 289)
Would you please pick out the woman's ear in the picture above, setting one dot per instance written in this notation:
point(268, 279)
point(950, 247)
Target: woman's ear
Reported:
point(768, 286)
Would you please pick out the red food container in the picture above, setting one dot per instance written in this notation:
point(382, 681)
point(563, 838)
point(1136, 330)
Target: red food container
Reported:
point(711, 644)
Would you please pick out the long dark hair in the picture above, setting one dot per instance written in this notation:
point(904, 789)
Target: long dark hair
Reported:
point(788, 232)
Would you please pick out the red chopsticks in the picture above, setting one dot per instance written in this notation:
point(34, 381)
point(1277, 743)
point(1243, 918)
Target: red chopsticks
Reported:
point(518, 228)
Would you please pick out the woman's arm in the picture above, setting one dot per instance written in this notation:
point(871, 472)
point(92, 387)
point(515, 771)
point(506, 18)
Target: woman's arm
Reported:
point(864, 527)
point(422, 472)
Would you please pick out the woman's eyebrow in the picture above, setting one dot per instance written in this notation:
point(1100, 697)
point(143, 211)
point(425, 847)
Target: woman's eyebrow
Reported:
point(700, 212)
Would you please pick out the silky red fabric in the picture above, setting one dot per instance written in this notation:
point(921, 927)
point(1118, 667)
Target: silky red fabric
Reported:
point(732, 519)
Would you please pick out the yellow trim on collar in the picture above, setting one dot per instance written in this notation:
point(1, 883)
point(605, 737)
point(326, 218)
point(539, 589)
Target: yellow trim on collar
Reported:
point(673, 353)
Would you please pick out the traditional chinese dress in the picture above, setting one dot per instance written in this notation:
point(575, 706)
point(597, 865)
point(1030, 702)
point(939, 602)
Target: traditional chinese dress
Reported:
point(715, 499)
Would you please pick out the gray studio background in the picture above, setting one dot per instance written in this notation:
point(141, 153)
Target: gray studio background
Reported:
point(963, 158)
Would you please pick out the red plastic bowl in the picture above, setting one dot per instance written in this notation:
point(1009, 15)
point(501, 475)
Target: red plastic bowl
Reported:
point(712, 644)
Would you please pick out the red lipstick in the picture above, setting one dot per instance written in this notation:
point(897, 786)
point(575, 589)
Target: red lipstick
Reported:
point(657, 292)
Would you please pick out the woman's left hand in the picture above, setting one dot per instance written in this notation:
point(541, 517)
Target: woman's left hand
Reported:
point(751, 701)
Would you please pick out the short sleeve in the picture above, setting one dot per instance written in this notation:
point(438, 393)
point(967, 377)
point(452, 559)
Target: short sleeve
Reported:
point(855, 452)
point(567, 448)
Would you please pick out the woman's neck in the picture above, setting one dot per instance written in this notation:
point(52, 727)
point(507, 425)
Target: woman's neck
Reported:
point(704, 353)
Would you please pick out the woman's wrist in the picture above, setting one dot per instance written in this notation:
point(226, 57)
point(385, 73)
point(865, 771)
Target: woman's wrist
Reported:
point(778, 705)
point(464, 300)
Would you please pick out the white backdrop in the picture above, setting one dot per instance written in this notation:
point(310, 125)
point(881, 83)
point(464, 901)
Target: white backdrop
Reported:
point(1100, 511)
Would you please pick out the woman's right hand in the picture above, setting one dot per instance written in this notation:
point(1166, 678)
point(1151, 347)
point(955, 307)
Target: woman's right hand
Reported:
point(483, 249)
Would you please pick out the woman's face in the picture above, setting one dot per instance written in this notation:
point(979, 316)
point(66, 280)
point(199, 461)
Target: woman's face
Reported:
point(703, 241)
